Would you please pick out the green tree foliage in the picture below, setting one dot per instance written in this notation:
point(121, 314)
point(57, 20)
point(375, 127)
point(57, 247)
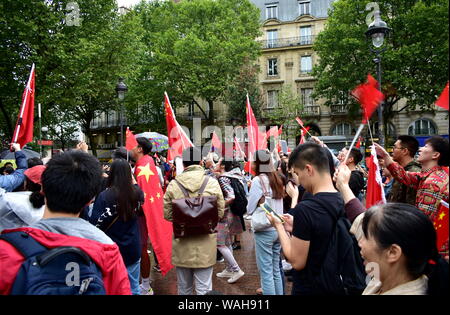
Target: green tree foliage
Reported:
point(414, 65)
point(236, 94)
point(196, 48)
point(77, 64)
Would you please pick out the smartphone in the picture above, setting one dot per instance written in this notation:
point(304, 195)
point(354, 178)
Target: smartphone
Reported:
point(268, 209)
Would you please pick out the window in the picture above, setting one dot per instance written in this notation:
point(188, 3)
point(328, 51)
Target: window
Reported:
point(422, 127)
point(304, 7)
point(343, 129)
point(272, 99)
point(272, 38)
point(307, 99)
point(305, 35)
point(305, 64)
point(272, 67)
point(271, 12)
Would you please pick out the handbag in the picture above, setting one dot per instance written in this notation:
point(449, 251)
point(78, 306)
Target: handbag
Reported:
point(194, 215)
point(259, 219)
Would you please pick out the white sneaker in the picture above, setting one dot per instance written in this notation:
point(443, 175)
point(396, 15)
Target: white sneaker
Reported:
point(247, 217)
point(236, 276)
point(225, 274)
point(145, 291)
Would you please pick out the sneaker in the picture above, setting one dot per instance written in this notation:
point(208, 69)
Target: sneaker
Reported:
point(148, 291)
point(236, 245)
point(157, 268)
point(220, 260)
point(247, 217)
point(225, 274)
point(236, 276)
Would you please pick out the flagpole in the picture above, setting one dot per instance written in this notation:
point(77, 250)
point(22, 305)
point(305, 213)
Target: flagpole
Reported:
point(40, 129)
point(361, 127)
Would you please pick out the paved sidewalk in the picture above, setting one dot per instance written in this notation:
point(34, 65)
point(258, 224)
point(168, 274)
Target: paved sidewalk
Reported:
point(246, 285)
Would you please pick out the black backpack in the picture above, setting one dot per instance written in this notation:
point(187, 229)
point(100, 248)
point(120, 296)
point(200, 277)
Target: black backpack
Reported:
point(342, 271)
point(239, 205)
point(64, 270)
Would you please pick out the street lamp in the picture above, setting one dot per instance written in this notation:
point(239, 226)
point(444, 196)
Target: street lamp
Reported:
point(377, 32)
point(121, 89)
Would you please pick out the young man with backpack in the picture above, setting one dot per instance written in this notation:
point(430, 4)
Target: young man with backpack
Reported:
point(323, 254)
point(62, 253)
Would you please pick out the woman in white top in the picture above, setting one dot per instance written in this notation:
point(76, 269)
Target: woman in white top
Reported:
point(267, 187)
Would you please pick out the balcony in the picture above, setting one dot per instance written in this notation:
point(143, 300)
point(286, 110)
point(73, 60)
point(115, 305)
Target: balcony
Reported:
point(311, 111)
point(338, 110)
point(288, 42)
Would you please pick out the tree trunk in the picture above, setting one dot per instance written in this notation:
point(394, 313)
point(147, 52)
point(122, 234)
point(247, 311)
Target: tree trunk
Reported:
point(211, 112)
point(93, 144)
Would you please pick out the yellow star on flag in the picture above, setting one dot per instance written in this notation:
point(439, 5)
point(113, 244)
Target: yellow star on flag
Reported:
point(441, 216)
point(158, 195)
point(145, 171)
point(151, 199)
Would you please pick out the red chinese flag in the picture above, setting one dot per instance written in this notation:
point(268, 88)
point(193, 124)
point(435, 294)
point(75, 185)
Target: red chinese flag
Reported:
point(272, 132)
point(131, 142)
point(256, 139)
point(304, 131)
point(375, 192)
point(23, 133)
point(178, 140)
point(441, 224)
point(358, 143)
point(300, 122)
point(368, 96)
point(216, 143)
point(443, 99)
point(280, 131)
point(159, 230)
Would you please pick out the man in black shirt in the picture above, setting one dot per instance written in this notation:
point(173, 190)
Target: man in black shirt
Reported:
point(356, 182)
point(311, 224)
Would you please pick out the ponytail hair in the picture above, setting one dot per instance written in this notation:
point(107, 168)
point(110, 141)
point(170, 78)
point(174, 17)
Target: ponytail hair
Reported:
point(37, 198)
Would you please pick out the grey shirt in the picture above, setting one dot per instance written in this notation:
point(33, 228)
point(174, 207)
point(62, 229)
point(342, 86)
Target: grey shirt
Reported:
point(74, 227)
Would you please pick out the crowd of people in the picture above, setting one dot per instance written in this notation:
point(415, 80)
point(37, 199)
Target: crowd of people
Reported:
point(302, 209)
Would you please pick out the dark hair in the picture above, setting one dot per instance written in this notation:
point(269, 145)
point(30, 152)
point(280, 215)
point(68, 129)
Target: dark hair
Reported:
point(264, 165)
point(119, 153)
point(413, 231)
point(410, 143)
point(36, 198)
point(34, 161)
point(440, 145)
point(120, 181)
point(8, 170)
point(356, 154)
point(229, 164)
point(145, 144)
point(191, 156)
point(71, 180)
point(309, 153)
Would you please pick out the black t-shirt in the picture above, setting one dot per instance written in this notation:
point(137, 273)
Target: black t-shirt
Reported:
point(312, 222)
point(356, 182)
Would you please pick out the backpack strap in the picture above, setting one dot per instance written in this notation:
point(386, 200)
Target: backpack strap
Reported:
point(201, 190)
point(24, 243)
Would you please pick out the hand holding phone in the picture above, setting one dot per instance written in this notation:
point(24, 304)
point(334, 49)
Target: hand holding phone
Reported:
point(271, 212)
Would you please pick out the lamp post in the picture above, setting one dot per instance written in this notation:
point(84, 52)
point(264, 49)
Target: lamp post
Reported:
point(377, 32)
point(44, 130)
point(121, 89)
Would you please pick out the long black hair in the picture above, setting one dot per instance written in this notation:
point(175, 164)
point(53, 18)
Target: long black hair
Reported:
point(413, 231)
point(120, 182)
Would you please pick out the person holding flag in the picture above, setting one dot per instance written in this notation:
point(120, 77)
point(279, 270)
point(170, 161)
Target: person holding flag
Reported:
point(158, 229)
point(432, 182)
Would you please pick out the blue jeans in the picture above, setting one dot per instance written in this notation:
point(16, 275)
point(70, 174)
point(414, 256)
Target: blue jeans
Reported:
point(134, 271)
point(267, 249)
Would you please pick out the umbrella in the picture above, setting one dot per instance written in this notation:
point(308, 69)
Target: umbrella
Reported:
point(8, 155)
point(159, 142)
